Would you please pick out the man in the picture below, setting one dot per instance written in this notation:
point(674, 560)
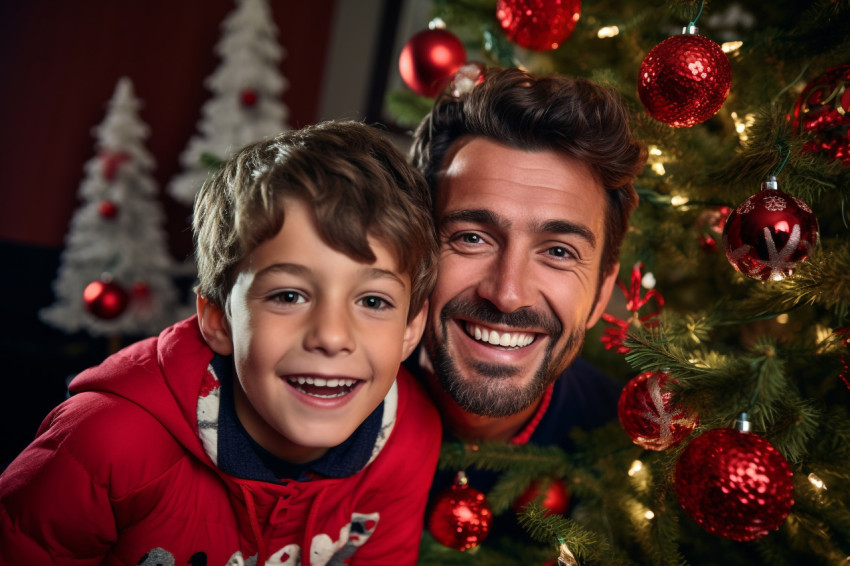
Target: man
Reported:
point(532, 180)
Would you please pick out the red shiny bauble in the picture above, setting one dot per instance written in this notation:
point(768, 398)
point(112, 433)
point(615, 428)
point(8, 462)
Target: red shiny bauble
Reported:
point(710, 225)
point(556, 498)
point(460, 517)
point(107, 209)
point(429, 60)
point(769, 234)
point(105, 299)
point(649, 416)
point(823, 110)
point(248, 97)
point(734, 484)
point(539, 25)
point(684, 80)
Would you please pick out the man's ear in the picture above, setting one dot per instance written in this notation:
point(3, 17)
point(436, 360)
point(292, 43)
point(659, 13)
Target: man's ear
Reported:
point(414, 330)
point(605, 288)
point(214, 326)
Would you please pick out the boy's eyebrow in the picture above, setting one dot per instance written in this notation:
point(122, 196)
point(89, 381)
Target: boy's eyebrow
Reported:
point(297, 269)
point(484, 216)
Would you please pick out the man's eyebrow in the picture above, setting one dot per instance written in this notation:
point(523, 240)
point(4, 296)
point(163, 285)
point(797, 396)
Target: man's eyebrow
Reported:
point(483, 216)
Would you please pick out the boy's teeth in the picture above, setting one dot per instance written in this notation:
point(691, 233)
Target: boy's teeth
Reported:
point(505, 339)
point(308, 386)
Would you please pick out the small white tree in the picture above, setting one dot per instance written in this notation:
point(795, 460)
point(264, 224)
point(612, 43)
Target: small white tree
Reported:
point(115, 274)
point(246, 105)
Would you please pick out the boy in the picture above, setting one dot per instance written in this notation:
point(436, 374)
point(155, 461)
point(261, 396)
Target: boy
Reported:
point(270, 428)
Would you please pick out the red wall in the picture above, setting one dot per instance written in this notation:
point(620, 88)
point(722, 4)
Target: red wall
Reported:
point(59, 64)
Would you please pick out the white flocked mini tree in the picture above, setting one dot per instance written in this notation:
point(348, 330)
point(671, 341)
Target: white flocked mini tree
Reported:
point(246, 105)
point(116, 274)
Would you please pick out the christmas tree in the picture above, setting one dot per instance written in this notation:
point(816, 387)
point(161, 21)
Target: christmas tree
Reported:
point(732, 335)
point(115, 274)
point(246, 104)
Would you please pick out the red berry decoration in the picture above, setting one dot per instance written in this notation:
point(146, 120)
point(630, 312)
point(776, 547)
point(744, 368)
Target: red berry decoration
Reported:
point(429, 60)
point(556, 497)
point(684, 80)
point(649, 416)
point(107, 209)
point(734, 484)
point(539, 25)
point(248, 98)
point(460, 517)
point(105, 299)
point(769, 234)
point(823, 110)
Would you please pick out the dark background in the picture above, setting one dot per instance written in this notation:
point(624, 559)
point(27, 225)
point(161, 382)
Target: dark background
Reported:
point(59, 65)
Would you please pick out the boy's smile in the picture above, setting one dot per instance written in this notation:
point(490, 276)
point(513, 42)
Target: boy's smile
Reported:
point(316, 336)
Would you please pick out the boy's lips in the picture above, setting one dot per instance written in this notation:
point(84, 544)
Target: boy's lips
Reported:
point(506, 339)
point(323, 387)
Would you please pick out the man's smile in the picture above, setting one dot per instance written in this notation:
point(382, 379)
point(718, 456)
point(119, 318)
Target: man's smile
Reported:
point(513, 340)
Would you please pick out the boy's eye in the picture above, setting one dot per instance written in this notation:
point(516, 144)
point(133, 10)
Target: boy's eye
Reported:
point(373, 302)
point(291, 297)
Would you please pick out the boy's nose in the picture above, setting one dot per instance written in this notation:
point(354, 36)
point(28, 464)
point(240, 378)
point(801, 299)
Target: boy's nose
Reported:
point(330, 331)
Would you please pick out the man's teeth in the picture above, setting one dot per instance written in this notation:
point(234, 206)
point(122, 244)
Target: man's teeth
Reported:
point(504, 339)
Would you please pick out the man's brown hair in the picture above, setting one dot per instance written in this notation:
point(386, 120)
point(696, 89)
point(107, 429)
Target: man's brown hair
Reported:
point(572, 116)
point(356, 182)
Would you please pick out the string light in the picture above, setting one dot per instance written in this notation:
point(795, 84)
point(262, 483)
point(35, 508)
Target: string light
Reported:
point(817, 482)
point(607, 31)
point(741, 124)
point(782, 318)
point(649, 515)
point(730, 46)
point(636, 467)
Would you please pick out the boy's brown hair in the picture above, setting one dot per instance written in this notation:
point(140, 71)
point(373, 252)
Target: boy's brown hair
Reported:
point(356, 182)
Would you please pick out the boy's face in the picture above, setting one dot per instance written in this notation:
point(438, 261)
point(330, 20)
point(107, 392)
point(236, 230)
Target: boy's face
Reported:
point(317, 337)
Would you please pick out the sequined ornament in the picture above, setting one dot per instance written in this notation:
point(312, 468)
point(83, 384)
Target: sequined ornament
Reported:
point(429, 60)
point(685, 79)
point(823, 111)
point(539, 25)
point(460, 517)
point(648, 414)
point(105, 299)
point(710, 225)
point(734, 484)
point(769, 233)
point(556, 498)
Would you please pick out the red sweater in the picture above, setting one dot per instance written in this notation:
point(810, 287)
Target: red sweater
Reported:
point(121, 474)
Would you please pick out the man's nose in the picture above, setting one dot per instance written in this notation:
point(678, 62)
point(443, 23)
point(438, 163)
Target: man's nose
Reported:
point(508, 282)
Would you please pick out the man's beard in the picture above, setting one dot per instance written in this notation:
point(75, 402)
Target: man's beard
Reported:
point(494, 394)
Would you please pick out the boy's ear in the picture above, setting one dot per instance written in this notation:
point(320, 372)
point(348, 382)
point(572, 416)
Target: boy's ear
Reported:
point(605, 288)
point(414, 330)
point(214, 326)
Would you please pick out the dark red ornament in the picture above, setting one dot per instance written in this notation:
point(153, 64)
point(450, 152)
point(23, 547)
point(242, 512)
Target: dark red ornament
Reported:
point(684, 80)
point(141, 290)
point(248, 97)
point(844, 333)
point(429, 60)
point(734, 484)
point(107, 209)
point(769, 234)
point(105, 299)
point(539, 25)
point(710, 225)
point(649, 416)
point(460, 517)
point(111, 162)
point(556, 498)
point(823, 111)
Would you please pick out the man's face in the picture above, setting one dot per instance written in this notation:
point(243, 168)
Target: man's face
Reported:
point(316, 336)
point(521, 237)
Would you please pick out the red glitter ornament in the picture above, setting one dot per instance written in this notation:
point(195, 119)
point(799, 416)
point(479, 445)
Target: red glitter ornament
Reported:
point(460, 517)
point(684, 80)
point(248, 98)
point(556, 498)
point(823, 110)
point(649, 416)
point(769, 234)
point(107, 209)
point(539, 25)
point(710, 225)
point(429, 60)
point(734, 484)
point(105, 299)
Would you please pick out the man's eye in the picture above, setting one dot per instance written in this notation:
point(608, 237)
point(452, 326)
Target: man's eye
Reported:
point(373, 302)
point(471, 238)
point(559, 251)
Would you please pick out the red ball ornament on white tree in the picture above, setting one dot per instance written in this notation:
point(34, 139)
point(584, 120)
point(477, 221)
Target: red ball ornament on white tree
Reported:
point(429, 61)
point(460, 517)
point(248, 98)
point(684, 80)
point(107, 209)
point(823, 110)
point(649, 416)
point(105, 299)
point(769, 234)
point(734, 484)
point(539, 25)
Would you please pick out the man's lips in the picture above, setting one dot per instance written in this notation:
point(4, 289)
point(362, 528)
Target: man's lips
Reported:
point(513, 340)
point(323, 387)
